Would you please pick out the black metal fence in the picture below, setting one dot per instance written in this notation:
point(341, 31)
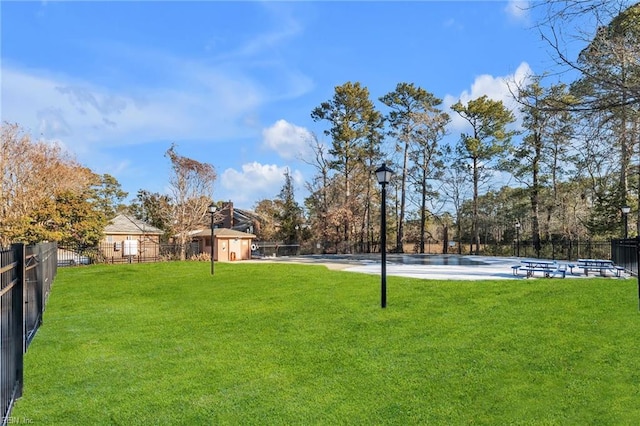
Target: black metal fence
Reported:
point(40, 270)
point(26, 274)
point(11, 323)
point(550, 249)
point(624, 252)
point(274, 249)
point(555, 249)
point(73, 255)
point(564, 249)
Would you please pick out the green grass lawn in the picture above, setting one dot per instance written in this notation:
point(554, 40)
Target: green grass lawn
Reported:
point(276, 343)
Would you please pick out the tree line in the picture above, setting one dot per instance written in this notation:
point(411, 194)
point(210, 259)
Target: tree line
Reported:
point(48, 196)
point(564, 173)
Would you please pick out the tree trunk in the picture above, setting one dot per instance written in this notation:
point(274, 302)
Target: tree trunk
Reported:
point(423, 209)
point(445, 238)
point(476, 231)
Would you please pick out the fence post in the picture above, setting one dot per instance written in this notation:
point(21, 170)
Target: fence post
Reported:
point(570, 255)
point(638, 267)
point(20, 342)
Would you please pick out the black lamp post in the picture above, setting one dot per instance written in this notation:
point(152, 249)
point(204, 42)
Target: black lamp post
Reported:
point(212, 209)
point(625, 213)
point(517, 239)
point(383, 174)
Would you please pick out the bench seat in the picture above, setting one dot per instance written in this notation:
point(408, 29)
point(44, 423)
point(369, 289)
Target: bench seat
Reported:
point(546, 271)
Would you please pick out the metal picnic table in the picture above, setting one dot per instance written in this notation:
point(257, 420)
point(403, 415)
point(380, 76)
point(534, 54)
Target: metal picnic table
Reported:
point(548, 268)
point(598, 265)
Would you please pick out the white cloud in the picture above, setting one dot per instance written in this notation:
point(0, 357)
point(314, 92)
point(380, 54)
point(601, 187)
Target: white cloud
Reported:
point(287, 139)
point(453, 24)
point(85, 115)
point(269, 40)
point(496, 88)
point(256, 182)
point(518, 9)
point(182, 99)
point(285, 28)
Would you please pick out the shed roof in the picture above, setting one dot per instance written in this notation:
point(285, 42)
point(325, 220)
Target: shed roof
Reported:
point(125, 224)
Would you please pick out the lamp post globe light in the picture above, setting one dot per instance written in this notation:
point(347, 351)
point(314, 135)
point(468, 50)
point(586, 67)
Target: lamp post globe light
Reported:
point(625, 212)
point(383, 174)
point(212, 209)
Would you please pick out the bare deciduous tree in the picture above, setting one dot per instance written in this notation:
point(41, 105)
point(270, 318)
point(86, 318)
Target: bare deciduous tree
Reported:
point(191, 190)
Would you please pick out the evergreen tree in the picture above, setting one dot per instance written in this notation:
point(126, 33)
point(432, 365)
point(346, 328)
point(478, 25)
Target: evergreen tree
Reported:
point(109, 195)
point(535, 162)
point(355, 133)
point(290, 214)
point(412, 111)
point(153, 208)
point(488, 141)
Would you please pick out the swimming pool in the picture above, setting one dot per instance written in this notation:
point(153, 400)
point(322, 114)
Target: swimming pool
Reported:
point(433, 259)
point(401, 259)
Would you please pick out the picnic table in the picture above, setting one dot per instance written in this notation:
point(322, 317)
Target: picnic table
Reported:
point(598, 265)
point(548, 268)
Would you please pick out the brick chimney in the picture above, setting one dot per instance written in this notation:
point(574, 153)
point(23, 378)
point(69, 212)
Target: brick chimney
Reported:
point(228, 215)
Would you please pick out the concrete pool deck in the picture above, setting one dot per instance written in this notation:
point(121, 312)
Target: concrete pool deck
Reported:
point(433, 267)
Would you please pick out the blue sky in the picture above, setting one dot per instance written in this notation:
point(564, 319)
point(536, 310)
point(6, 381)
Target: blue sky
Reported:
point(233, 83)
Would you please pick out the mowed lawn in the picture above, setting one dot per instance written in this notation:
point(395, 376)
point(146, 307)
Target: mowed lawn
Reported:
point(268, 343)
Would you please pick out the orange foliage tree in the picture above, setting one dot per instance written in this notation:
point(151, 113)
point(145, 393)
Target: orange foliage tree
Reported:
point(35, 174)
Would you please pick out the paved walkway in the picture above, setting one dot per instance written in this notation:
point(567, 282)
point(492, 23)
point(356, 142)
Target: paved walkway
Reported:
point(422, 266)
